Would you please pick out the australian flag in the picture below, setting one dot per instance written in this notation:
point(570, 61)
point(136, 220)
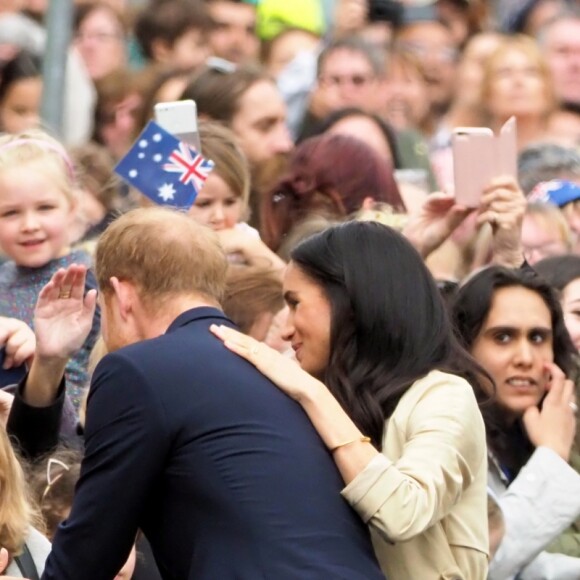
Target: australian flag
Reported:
point(166, 170)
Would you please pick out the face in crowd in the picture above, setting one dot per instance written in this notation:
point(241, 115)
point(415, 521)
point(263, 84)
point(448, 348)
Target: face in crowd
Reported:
point(433, 45)
point(217, 205)
point(260, 124)
point(562, 49)
point(514, 345)
point(100, 40)
point(346, 79)
point(309, 318)
point(234, 35)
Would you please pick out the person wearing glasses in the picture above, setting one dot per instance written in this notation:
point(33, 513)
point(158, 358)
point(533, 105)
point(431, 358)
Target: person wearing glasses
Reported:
point(349, 71)
point(99, 36)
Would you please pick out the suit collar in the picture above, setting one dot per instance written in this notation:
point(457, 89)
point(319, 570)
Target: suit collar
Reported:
point(197, 314)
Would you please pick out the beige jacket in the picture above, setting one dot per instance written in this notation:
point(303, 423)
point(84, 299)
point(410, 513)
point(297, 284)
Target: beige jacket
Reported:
point(425, 496)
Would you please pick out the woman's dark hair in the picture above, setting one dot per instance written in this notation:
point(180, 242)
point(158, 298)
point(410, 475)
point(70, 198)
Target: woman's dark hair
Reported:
point(388, 132)
point(25, 65)
point(470, 310)
point(389, 324)
point(559, 271)
point(329, 175)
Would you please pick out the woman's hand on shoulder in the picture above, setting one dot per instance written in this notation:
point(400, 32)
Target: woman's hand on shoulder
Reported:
point(281, 370)
point(554, 425)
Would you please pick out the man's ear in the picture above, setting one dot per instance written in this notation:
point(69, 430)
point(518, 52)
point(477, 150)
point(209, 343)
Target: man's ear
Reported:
point(125, 293)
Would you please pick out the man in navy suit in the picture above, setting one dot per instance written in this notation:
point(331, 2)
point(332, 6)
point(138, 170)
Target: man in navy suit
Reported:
point(188, 442)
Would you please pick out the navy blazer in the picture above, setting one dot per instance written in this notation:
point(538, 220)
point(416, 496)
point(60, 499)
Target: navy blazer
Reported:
point(224, 473)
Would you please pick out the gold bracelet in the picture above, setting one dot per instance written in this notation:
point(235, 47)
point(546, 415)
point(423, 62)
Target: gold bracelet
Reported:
point(362, 439)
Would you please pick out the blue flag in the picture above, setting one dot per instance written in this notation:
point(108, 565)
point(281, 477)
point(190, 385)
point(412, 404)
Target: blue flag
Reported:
point(166, 170)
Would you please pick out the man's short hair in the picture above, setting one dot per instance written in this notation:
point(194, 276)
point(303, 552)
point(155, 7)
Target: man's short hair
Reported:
point(354, 44)
point(164, 253)
point(546, 161)
point(168, 21)
point(217, 92)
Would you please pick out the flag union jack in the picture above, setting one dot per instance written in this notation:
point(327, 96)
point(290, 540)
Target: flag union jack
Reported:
point(164, 169)
point(193, 168)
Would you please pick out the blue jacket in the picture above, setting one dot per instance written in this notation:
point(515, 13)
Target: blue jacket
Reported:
point(223, 472)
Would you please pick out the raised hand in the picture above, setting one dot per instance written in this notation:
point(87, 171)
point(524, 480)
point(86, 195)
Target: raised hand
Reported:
point(18, 341)
point(436, 220)
point(63, 314)
point(554, 426)
point(281, 370)
point(503, 205)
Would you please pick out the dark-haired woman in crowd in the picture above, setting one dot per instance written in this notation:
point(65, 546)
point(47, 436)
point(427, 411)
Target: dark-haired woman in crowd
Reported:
point(512, 324)
point(383, 381)
point(20, 93)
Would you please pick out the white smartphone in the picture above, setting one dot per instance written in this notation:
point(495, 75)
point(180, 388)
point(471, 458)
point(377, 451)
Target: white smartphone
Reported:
point(180, 119)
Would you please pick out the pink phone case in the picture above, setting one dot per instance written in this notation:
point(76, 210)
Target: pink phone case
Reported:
point(479, 156)
point(473, 163)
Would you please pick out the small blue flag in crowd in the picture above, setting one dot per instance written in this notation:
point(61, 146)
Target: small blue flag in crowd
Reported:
point(166, 170)
point(558, 192)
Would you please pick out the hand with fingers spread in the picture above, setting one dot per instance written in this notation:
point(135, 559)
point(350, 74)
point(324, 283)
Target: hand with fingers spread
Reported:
point(18, 340)
point(284, 372)
point(63, 314)
point(437, 219)
point(503, 205)
point(62, 321)
point(554, 425)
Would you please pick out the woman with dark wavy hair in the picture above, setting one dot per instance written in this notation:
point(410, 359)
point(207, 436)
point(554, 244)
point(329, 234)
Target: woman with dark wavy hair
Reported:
point(329, 175)
point(512, 324)
point(383, 380)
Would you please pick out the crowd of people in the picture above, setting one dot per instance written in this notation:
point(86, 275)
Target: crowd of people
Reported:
point(326, 367)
